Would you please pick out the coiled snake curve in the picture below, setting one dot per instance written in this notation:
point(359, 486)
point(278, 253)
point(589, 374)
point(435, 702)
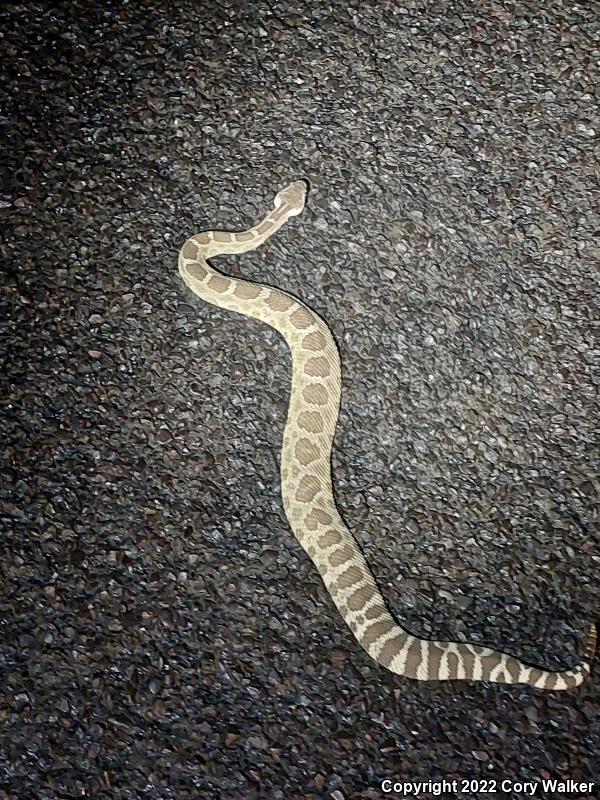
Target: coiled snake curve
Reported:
point(306, 482)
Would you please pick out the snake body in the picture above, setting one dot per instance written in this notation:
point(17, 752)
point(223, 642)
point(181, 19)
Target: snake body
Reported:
point(306, 482)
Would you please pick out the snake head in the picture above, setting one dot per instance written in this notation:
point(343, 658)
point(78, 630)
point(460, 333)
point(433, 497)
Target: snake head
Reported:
point(294, 196)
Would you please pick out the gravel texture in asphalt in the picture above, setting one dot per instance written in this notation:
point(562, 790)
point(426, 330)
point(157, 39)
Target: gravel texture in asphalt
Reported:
point(162, 633)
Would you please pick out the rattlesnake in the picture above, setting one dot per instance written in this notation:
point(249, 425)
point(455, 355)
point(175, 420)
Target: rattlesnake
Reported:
point(306, 483)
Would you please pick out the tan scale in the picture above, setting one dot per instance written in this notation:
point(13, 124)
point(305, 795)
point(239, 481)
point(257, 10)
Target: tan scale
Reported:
point(306, 483)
